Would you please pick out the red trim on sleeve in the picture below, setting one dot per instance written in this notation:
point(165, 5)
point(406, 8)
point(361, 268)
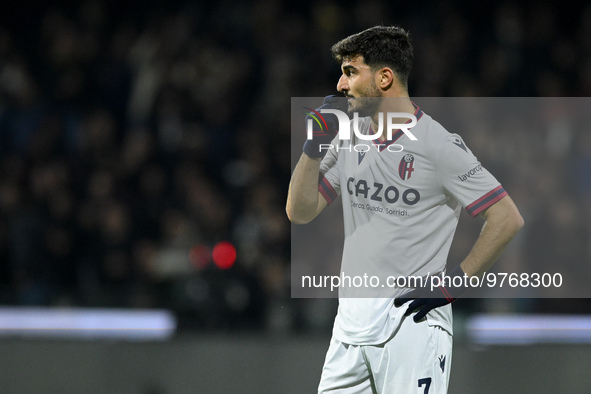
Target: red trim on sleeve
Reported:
point(486, 201)
point(327, 191)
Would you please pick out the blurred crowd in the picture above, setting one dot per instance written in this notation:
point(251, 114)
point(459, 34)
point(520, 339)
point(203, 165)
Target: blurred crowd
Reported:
point(133, 138)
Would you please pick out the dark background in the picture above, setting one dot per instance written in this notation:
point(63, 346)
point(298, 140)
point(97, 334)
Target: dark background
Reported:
point(130, 135)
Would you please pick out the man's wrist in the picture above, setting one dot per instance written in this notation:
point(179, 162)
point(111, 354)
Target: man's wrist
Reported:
point(313, 150)
point(451, 289)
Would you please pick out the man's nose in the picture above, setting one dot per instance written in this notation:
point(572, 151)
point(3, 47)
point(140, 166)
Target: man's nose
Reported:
point(342, 85)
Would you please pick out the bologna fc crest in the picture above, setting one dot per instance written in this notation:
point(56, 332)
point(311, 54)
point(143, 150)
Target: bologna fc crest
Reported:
point(406, 166)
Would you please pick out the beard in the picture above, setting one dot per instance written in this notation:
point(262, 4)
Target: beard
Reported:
point(368, 102)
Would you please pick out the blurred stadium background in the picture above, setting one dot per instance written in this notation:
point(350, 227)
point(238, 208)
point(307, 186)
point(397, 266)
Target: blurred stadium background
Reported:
point(135, 138)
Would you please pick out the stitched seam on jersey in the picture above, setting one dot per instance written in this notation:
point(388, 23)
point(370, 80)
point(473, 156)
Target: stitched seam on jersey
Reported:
point(437, 166)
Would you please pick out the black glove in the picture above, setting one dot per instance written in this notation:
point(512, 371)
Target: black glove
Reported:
point(424, 299)
point(324, 126)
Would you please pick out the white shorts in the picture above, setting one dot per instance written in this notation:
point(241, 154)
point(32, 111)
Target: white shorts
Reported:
point(417, 359)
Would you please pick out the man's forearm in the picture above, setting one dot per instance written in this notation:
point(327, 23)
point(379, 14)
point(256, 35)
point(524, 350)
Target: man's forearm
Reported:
point(503, 221)
point(302, 199)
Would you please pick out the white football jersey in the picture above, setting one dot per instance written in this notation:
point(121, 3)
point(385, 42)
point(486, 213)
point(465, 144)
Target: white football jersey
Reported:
point(401, 205)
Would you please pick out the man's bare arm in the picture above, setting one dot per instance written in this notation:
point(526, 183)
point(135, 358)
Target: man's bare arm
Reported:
point(304, 201)
point(503, 221)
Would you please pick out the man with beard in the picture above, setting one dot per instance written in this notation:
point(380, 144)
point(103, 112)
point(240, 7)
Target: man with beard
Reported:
point(401, 208)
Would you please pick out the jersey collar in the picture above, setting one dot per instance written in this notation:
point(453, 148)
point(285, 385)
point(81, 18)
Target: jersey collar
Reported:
point(396, 134)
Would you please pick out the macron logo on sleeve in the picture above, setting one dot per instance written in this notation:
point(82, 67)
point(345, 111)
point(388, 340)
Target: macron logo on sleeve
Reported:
point(458, 142)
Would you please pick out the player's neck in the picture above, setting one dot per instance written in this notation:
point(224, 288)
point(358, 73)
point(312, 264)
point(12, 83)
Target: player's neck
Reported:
point(392, 104)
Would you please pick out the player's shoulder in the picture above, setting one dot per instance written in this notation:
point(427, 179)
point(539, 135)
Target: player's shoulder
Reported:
point(438, 138)
point(431, 134)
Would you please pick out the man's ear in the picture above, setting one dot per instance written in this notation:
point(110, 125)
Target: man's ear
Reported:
point(385, 78)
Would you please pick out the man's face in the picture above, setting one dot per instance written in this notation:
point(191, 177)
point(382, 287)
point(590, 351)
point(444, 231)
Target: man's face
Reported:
point(359, 85)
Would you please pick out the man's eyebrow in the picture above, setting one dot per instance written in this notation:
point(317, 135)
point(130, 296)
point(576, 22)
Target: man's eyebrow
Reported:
point(348, 67)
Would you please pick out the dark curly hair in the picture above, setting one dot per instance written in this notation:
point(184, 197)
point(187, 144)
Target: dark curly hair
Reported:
point(380, 46)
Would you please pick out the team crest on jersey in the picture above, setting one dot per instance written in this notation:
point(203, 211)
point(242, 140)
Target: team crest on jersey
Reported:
point(406, 166)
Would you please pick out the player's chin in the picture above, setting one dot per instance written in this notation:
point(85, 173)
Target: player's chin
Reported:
point(351, 105)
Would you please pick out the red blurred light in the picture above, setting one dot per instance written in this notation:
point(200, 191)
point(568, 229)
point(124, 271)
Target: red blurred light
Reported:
point(224, 255)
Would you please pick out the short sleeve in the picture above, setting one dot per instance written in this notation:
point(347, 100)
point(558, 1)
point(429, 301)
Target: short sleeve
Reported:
point(329, 178)
point(464, 177)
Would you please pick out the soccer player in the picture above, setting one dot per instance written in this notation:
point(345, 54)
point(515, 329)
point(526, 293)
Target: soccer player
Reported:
point(401, 208)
